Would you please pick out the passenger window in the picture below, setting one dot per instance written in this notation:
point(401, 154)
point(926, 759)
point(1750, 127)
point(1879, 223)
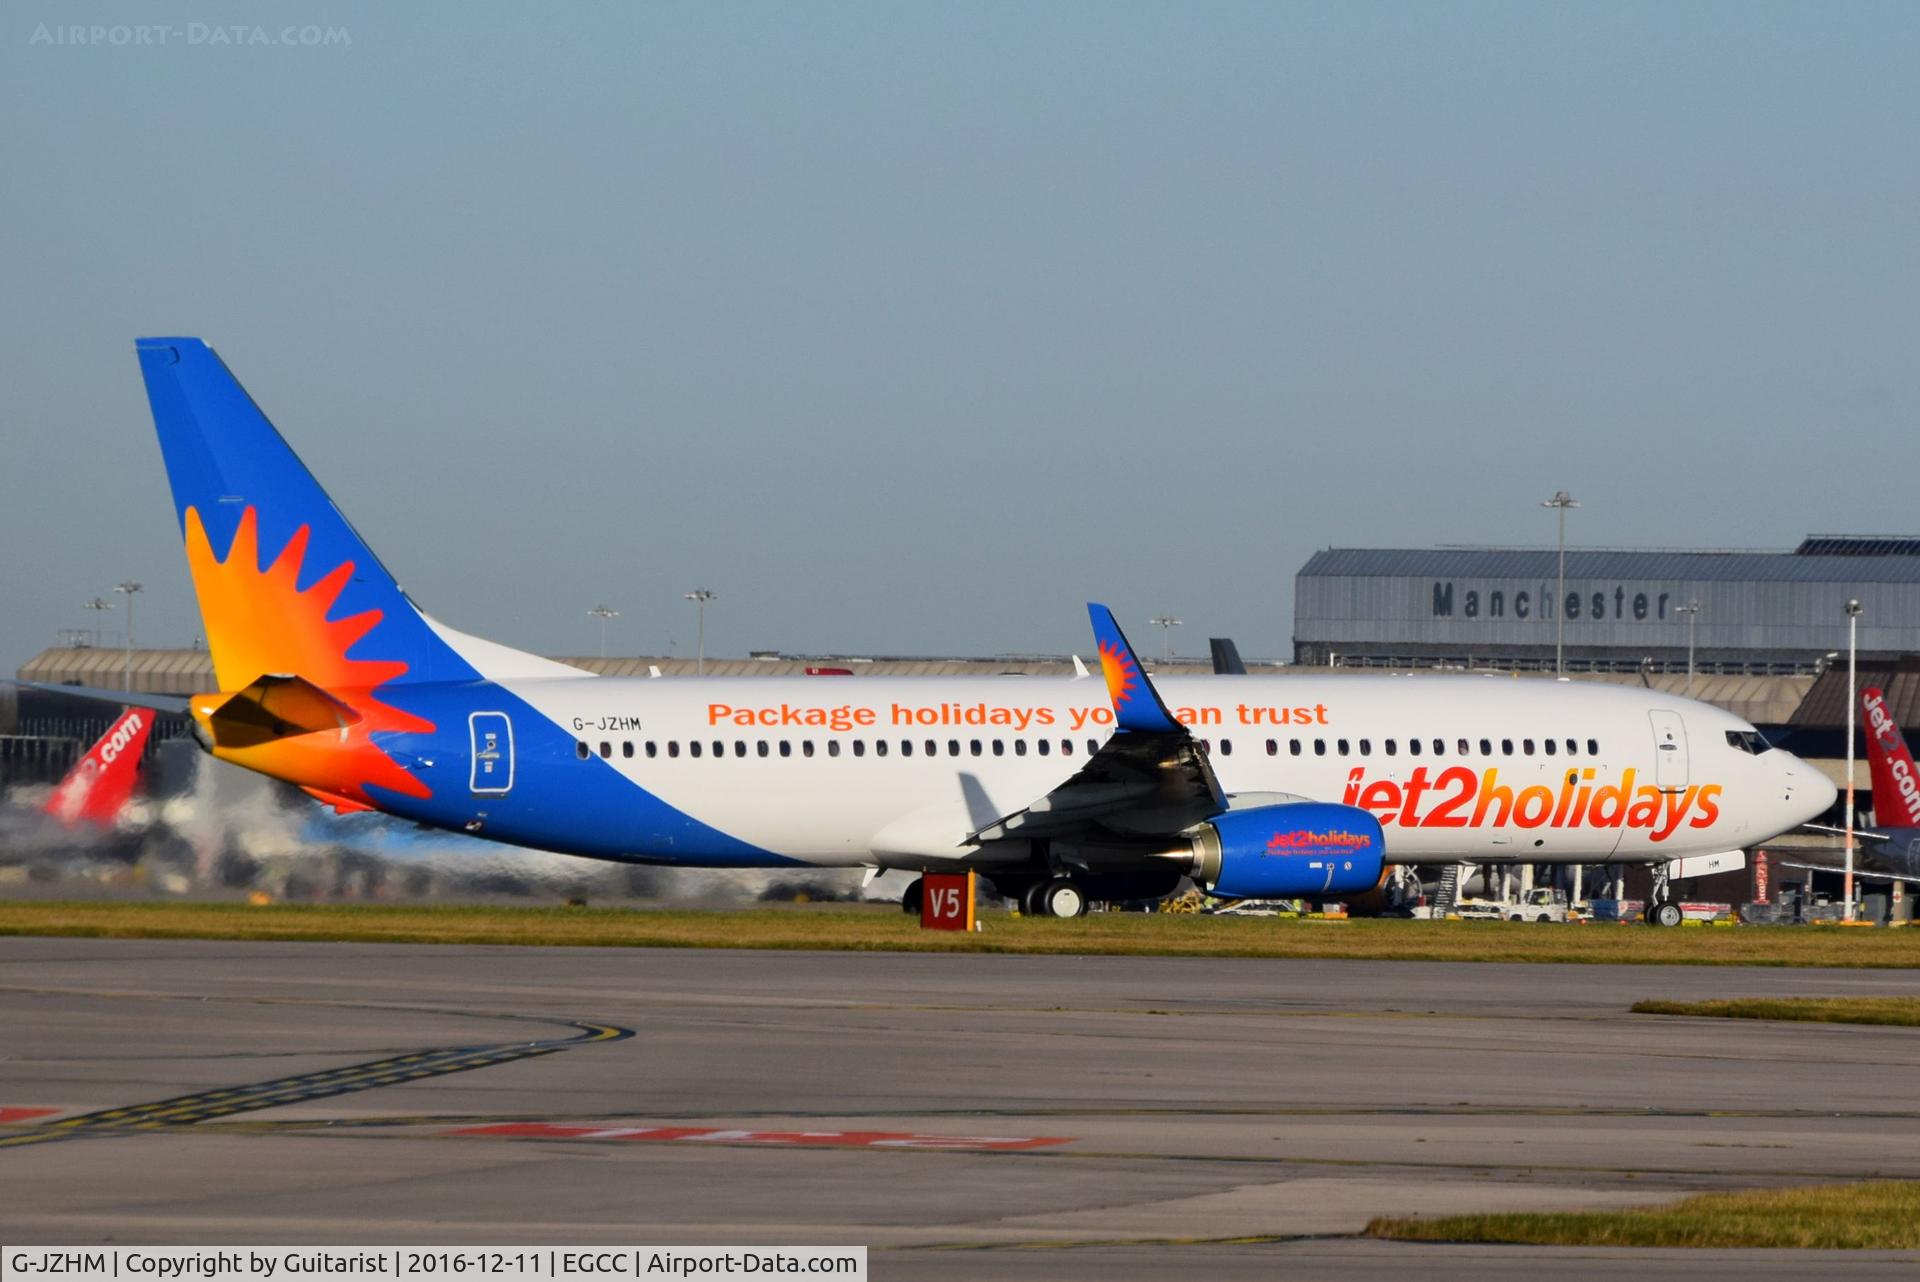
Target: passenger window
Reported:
point(1343, 747)
point(806, 747)
point(719, 748)
point(761, 747)
point(879, 747)
point(1413, 747)
point(626, 747)
point(1573, 746)
point(1319, 747)
point(1044, 746)
point(906, 747)
point(1066, 747)
point(606, 749)
point(833, 747)
point(1226, 747)
point(1440, 747)
point(1273, 747)
point(1526, 746)
point(653, 749)
point(581, 750)
point(1093, 747)
point(974, 746)
point(999, 748)
point(1366, 747)
point(1486, 748)
point(1206, 747)
point(693, 747)
point(1550, 747)
point(860, 747)
point(1293, 747)
point(933, 747)
point(1466, 749)
point(953, 747)
point(1506, 747)
point(1019, 747)
point(1393, 748)
point(1593, 747)
point(739, 747)
point(673, 747)
point(786, 747)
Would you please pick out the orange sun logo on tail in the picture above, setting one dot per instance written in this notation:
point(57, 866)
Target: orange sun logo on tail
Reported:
point(1123, 679)
point(259, 623)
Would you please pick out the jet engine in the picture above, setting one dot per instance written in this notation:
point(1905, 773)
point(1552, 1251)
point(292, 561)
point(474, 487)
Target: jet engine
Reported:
point(1305, 848)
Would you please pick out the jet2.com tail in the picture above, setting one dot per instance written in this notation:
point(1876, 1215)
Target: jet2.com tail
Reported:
point(1896, 783)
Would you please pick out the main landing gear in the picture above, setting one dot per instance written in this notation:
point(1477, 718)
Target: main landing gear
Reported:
point(1060, 897)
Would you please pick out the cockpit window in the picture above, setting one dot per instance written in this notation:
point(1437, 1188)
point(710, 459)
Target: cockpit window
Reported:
point(1748, 741)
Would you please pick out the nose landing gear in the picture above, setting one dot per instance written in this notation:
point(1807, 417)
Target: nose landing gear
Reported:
point(1662, 909)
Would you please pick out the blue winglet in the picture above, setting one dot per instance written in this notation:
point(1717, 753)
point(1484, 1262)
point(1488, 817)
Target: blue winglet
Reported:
point(1136, 704)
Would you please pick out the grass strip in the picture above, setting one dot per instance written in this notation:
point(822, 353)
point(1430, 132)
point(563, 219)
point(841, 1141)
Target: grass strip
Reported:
point(1903, 1011)
point(878, 928)
point(1879, 1215)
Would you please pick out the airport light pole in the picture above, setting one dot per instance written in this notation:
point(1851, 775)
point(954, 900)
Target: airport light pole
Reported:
point(126, 660)
point(96, 605)
point(1853, 625)
point(1692, 610)
point(1561, 500)
point(603, 612)
point(700, 597)
point(1167, 624)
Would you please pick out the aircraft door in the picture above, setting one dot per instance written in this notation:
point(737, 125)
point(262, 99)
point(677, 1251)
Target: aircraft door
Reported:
point(492, 740)
point(1669, 750)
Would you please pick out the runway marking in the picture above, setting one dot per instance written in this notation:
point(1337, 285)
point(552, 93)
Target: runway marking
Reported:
point(201, 1106)
point(777, 1139)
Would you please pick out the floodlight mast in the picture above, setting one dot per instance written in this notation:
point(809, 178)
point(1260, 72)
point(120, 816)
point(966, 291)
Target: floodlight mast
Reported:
point(1562, 501)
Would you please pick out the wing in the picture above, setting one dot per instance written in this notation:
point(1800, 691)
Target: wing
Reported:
point(1151, 777)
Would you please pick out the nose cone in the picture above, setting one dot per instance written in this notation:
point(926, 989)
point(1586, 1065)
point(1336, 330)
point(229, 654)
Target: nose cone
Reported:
point(1808, 793)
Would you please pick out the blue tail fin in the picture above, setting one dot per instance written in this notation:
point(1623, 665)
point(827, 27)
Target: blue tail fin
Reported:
point(286, 585)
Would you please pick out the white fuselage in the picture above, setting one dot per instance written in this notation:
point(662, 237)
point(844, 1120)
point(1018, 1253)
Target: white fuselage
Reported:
point(899, 771)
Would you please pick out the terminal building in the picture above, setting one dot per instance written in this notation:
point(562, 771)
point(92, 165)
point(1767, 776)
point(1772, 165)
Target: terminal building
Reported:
point(1740, 613)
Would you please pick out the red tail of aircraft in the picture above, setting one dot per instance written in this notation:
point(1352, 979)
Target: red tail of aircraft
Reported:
point(1896, 784)
point(96, 789)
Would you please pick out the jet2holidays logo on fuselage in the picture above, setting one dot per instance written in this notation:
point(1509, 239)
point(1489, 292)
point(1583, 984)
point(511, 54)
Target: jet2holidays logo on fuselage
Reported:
point(1461, 797)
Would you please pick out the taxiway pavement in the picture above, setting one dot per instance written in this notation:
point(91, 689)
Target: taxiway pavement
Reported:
point(1217, 1118)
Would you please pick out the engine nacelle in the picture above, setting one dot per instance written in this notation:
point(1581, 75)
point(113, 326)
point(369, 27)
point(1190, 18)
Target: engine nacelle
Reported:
point(1306, 848)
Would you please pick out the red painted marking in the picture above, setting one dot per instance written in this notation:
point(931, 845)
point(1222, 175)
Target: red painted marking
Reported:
point(24, 1114)
point(798, 1139)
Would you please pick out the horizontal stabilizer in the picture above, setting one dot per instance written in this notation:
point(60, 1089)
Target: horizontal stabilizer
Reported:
point(275, 708)
point(94, 694)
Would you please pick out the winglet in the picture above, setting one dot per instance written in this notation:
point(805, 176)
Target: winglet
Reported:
point(1136, 704)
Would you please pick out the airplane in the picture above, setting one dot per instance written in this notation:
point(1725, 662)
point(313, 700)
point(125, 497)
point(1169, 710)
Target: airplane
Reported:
point(1892, 853)
point(1058, 790)
point(1226, 657)
point(96, 790)
point(89, 796)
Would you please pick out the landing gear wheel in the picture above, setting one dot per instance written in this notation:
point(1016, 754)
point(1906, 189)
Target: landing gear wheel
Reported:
point(1062, 897)
point(910, 897)
point(1031, 904)
point(1665, 913)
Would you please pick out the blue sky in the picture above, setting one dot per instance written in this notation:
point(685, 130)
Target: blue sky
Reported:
point(908, 329)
